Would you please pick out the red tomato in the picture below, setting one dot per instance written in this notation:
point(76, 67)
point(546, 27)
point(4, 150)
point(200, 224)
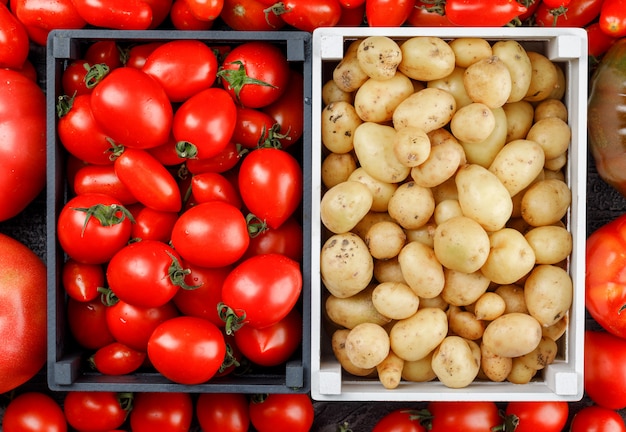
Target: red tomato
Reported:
point(270, 184)
point(532, 416)
point(211, 234)
point(92, 228)
point(163, 412)
point(152, 224)
point(183, 18)
point(14, 43)
point(272, 345)
point(351, 4)
point(255, 73)
point(41, 16)
point(187, 350)
point(22, 315)
point(249, 15)
point(286, 240)
point(87, 323)
point(465, 416)
point(115, 14)
point(597, 419)
point(104, 52)
point(605, 369)
point(206, 120)
point(388, 13)
point(253, 127)
point(182, 67)
point(95, 410)
point(352, 17)
point(132, 108)
point(81, 281)
point(149, 181)
point(598, 42)
point(307, 15)
point(33, 412)
point(74, 77)
point(28, 70)
point(222, 162)
point(555, 4)
point(172, 153)
point(579, 14)
point(282, 413)
point(137, 55)
point(613, 18)
point(117, 359)
point(224, 412)
point(487, 13)
point(160, 11)
point(102, 179)
point(206, 10)
point(288, 111)
point(401, 420)
point(23, 127)
point(425, 14)
point(262, 290)
point(133, 325)
point(605, 281)
point(210, 186)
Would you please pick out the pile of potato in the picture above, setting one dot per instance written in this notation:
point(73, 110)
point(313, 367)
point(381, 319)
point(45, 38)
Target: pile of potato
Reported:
point(445, 252)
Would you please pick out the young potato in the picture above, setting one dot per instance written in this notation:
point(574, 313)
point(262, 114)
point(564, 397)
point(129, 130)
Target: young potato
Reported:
point(544, 77)
point(348, 75)
point(453, 84)
point(513, 296)
point(465, 324)
point(331, 93)
point(557, 163)
point(461, 244)
point(435, 302)
point(337, 168)
point(388, 271)
point(395, 300)
point(488, 81)
point(473, 123)
point(423, 234)
point(344, 205)
point(551, 243)
point(463, 289)
point(484, 152)
point(415, 337)
point(551, 108)
point(552, 134)
point(542, 356)
point(489, 306)
point(367, 345)
point(518, 164)
point(373, 145)
point(351, 311)
point(456, 362)
point(556, 330)
point(428, 109)
point(442, 163)
point(510, 257)
point(512, 335)
point(376, 100)
point(385, 239)
point(446, 209)
point(558, 92)
point(339, 120)
point(419, 370)
point(411, 205)
point(426, 58)
point(338, 343)
point(514, 56)
point(520, 372)
point(483, 197)
point(421, 269)
point(381, 191)
point(390, 371)
point(519, 119)
point(468, 50)
point(546, 202)
point(411, 146)
point(368, 220)
point(346, 266)
point(379, 57)
point(548, 292)
point(496, 368)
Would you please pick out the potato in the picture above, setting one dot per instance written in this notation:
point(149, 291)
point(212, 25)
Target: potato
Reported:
point(446, 209)
point(510, 257)
point(488, 81)
point(514, 56)
point(464, 323)
point(513, 296)
point(453, 84)
point(373, 145)
point(468, 50)
point(484, 152)
point(381, 191)
point(461, 244)
point(337, 168)
point(518, 164)
point(415, 337)
point(542, 356)
point(339, 120)
point(395, 300)
point(455, 362)
point(419, 370)
point(331, 93)
point(546, 202)
point(489, 306)
point(338, 343)
point(551, 243)
point(379, 57)
point(558, 92)
point(385, 239)
point(462, 289)
point(346, 266)
point(348, 75)
point(427, 109)
point(351, 311)
point(552, 134)
point(483, 197)
point(368, 220)
point(434, 302)
point(423, 234)
point(390, 371)
point(426, 58)
point(495, 367)
point(411, 205)
point(411, 146)
point(519, 119)
point(551, 108)
point(556, 330)
point(520, 373)
point(376, 100)
point(344, 205)
point(421, 269)
point(367, 345)
point(445, 157)
point(555, 164)
point(473, 123)
point(544, 77)
point(548, 292)
point(512, 335)
point(388, 271)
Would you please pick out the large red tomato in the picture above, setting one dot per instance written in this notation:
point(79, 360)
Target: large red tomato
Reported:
point(34, 411)
point(22, 313)
point(282, 412)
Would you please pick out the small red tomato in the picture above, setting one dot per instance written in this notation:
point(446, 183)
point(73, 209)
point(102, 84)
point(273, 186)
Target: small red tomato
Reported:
point(211, 186)
point(13, 40)
point(81, 281)
point(163, 412)
point(183, 18)
point(288, 111)
point(152, 224)
point(400, 420)
point(224, 412)
point(293, 412)
point(613, 18)
point(102, 179)
point(595, 418)
point(286, 240)
point(104, 52)
point(87, 323)
point(115, 14)
point(117, 359)
point(206, 10)
point(388, 13)
point(95, 410)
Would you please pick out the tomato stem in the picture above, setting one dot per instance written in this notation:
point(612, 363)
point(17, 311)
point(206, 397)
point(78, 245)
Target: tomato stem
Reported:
point(95, 74)
point(255, 225)
point(186, 150)
point(107, 215)
point(233, 322)
point(237, 78)
point(177, 274)
point(64, 104)
point(107, 296)
point(229, 359)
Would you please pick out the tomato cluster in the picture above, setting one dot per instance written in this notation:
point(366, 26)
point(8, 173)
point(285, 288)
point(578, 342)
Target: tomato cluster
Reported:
point(182, 229)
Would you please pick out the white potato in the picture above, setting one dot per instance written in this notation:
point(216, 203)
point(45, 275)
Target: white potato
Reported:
point(548, 292)
point(390, 371)
point(337, 168)
point(423, 234)
point(428, 109)
point(542, 356)
point(421, 269)
point(348, 75)
point(558, 92)
point(373, 145)
point(367, 345)
point(463, 289)
point(411, 205)
point(544, 77)
point(388, 271)
point(338, 343)
point(510, 257)
point(426, 58)
point(419, 370)
point(464, 323)
point(552, 134)
point(379, 57)
point(455, 363)
point(489, 306)
point(381, 191)
point(411, 146)
point(415, 337)
point(555, 164)
point(368, 220)
point(556, 330)
point(461, 244)
point(376, 100)
point(385, 239)
point(545, 202)
point(518, 164)
point(513, 296)
point(468, 50)
point(483, 152)
point(495, 367)
point(520, 373)
point(446, 209)
point(551, 108)
point(444, 159)
point(488, 81)
point(512, 335)
point(344, 205)
point(519, 119)
point(514, 56)
point(453, 84)
point(339, 120)
point(473, 123)
point(395, 300)
point(331, 93)
point(551, 243)
point(346, 266)
point(351, 311)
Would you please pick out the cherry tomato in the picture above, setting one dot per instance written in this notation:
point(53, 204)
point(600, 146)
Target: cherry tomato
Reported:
point(549, 416)
point(352, 17)
point(74, 78)
point(249, 15)
point(183, 18)
point(216, 224)
point(555, 4)
point(282, 413)
point(28, 70)
point(579, 14)
point(351, 4)
point(388, 13)
point(87, 323)
point(14, 43)
point(225, 160)
point(115, 14)
point(163, 412)
point(285, 240)
point(117, 359)
point(224, 412)
point(255, 73)
point(270, 184)
point(95, 410)
point(613, 18)
point(41, 16)
point(595, 418)
point(466, 416)
point(81, 281)
point(307, 15)
point(104, 52)
point(425, 14)
point(288, 111)
point(152, 224)
point(187, 350)
point(160, 11)
point(487, 13)
point(102, 179)
point(206, 10)
point(214, 187)
point(605, 375)
point(32, 412)
point(400, 420)
point(253, 127)
point(598, 42)
point(137, 55)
